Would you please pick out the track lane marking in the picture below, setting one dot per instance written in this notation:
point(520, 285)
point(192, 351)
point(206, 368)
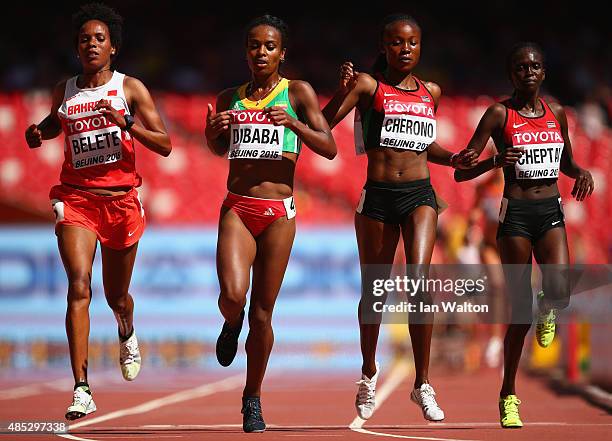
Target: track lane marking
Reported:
point(396, 377)
point(206, 389)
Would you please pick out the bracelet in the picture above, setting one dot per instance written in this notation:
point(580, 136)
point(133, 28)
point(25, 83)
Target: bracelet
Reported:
point(452, 158)
point(495, 161)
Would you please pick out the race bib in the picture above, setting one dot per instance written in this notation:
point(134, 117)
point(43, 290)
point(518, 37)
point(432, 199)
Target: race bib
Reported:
point(58, 210)
point(358, 134)
point(289, 204)
point(254, 137)
point(542, 155)
point(407, 132)
point(93, 140)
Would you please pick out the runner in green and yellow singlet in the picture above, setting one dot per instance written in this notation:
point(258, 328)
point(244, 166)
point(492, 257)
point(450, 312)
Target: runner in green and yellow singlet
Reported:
point(260, 126)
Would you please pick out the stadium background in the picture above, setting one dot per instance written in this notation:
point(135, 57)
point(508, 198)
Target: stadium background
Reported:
point(185, 55)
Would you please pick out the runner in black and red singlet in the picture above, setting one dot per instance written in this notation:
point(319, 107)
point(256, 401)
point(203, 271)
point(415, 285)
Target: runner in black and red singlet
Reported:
point(531, 135)
point(260, 126)
point(97, 199)
point(396, 127)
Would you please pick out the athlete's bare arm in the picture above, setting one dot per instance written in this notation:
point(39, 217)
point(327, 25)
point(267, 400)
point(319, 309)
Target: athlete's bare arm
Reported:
point(315, 132)
point(437, 154)
point(218, 123)
point(152, 133)
point(583, 184)
point(491, 122)
point(355, 88)
point(50, 127)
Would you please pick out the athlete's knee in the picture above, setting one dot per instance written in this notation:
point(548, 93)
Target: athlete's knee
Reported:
point(556, 293)
point(232, 300)
point(260, 318)
point(121, 303)
point(79, 289)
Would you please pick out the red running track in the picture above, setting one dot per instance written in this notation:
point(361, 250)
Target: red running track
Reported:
point(187, 405)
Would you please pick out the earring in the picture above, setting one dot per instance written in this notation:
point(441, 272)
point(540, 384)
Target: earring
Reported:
point(282, 60)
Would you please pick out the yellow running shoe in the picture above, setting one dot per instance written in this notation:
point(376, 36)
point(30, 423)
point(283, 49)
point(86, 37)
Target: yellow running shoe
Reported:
point(509, 413)
point(545, 327)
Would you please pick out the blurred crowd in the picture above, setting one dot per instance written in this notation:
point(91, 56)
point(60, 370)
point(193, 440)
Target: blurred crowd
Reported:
point(181, 47)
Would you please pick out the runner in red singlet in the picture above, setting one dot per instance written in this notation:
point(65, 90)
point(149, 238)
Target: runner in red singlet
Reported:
point(396, 127)
point(97, 199)
point(531, 135)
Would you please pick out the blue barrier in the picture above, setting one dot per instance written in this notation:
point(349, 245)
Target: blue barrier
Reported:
point(173, 262)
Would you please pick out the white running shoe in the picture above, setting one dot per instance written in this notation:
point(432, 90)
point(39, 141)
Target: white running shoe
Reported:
point(425, 397)
point(82, 404)
point(365, 400)
point(129, 357)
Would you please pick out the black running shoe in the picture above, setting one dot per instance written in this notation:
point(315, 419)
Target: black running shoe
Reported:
point(227, 343)
point(252, 420)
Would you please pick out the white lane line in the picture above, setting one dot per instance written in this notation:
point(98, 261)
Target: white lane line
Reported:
point(226, 384)
point(272, 427)
point(39, 388)
point(392, 435)
point(181, 427)
point(340, 427)
point(76, 438)
point(399, 372)
point(20, 392)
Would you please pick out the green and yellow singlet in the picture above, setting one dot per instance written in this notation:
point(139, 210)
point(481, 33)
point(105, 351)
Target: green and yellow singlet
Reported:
point(252, 135)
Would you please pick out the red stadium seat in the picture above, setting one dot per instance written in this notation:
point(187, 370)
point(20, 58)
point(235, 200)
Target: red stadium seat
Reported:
point(189, 186)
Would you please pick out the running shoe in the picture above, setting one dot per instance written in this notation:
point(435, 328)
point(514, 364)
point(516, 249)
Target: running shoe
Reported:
point(227, 343)
point(129, 357)
point(365, 401)
point(509, 417)
point(252, 419)
point(545, 327)
point(82, 404)
point(425, 397)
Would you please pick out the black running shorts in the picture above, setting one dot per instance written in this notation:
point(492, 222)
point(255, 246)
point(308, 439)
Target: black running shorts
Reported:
point(391, 203)
point(530, 218)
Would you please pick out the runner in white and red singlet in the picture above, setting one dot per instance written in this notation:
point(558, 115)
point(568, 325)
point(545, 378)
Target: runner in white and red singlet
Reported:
point(97, 199)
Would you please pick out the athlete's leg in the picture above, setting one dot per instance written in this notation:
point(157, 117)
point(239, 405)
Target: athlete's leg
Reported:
point(117, 266)
point(419, 233)
point(377, 243)
point(273, 250)
point(489, 256)
point(515, 253)
point(77, 247)
point(236, 250)
point(552, 251)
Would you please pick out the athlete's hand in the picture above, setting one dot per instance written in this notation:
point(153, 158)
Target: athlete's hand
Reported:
point(105, 108)
point(465, 159)
point(33, 136)
point(217, 123)
point(348, 77)
point(279, 116)
point(509, 156)
point(583, 186)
